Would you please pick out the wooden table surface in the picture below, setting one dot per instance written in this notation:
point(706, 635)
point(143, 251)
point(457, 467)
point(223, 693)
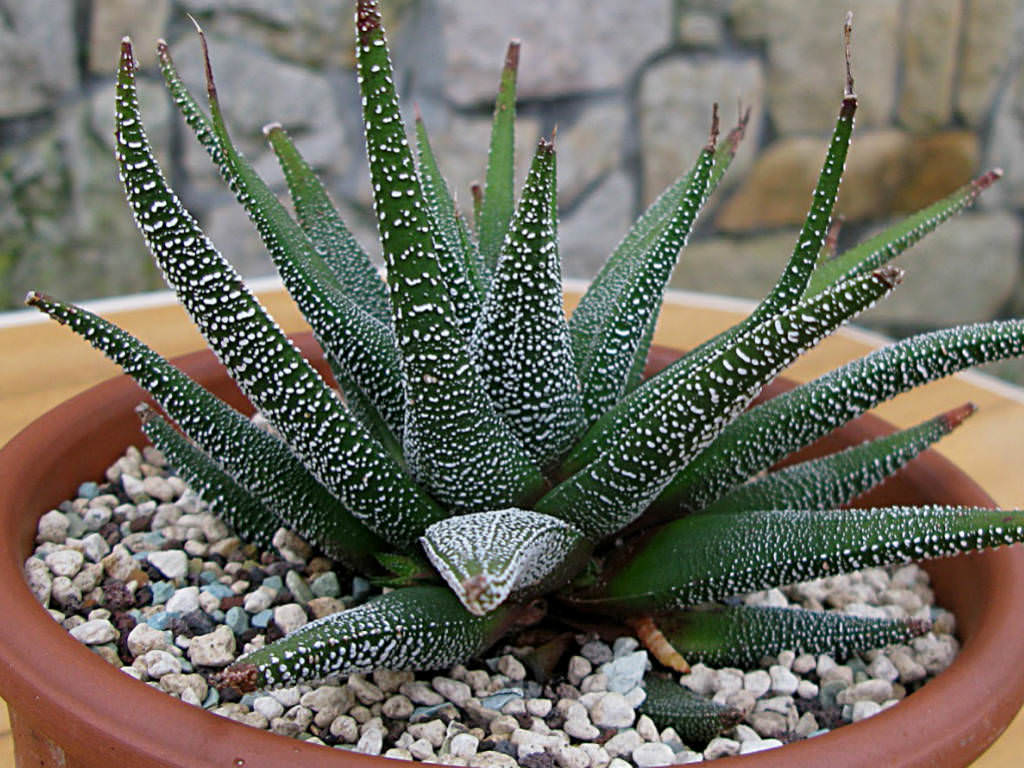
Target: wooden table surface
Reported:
point(44, 364)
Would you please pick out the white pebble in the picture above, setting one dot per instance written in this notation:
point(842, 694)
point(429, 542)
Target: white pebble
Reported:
point(749, 747)
point(289, 617)
point(95, 632)
point(865, 708)
point(172, 563)
point(53, 526)
point(511, 667)
point(783, 681)
point(216, 649)
point(581, 729)
point(463, 744)
point(652, 754)
point(612, 711)
point(65, 562)
point(721, 747)
point(268, 706)
point(184, 600)
point(758, 682)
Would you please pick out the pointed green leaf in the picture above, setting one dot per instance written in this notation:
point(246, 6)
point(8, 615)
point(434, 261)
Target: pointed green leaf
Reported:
point(742, 635)
point(521, 342)
point(894, 240)
point(348, 262)
point(608, 361)
point(795, 277)
point(254, 458)
point(773, 430)
point(231, 502)
point(445, 216)
point(266, 365)
point(679, 416)
point(405, 570)
point(412, 628)
point(361, 345)
point(451, 427)
point(836, 479)
point(709, 557)
point(604, 291)
point(497, 204)
point(487, 556)
point(694, 718)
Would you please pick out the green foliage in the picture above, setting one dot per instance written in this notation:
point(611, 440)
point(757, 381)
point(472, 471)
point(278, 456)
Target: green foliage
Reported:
point(487, 450)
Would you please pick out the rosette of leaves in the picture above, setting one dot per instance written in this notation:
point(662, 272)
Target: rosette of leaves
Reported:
point(488, 452)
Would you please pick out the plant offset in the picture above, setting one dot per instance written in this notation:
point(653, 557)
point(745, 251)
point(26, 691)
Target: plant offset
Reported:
point(487, 452)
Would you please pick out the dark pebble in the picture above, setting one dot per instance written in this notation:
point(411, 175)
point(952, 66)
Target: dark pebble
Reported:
point(538, 760)
point(278, 568)
point(125, 623)
point(555, 719)
point(283, 597)
point(567, 691)
point(140, 524)
point(178, 626)
point(111, 533)
point(143, 596)
point(487, 745)
point(229, 695)
point(216, 557)
point(524, 720)
point(66, 506)
point(257, 575)
point(273, 632)
point(506, 747)
point(117, 597)
point(226, 603)
point(395, 729)
point(606, 733)
point(170, 544)
point(248, 636)
point(199, 622)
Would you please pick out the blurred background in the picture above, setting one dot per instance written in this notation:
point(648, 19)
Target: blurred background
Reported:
point(629, 85)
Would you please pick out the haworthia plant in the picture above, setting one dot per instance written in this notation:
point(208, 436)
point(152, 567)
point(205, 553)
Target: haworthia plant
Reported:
point(484, 451)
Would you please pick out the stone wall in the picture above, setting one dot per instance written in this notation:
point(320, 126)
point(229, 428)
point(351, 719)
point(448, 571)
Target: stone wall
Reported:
point(629, 86)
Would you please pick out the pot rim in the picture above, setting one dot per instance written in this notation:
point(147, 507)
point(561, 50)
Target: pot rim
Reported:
point(966, 707)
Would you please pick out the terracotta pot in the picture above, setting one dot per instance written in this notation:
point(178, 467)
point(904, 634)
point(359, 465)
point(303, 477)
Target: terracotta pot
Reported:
point(69, 708)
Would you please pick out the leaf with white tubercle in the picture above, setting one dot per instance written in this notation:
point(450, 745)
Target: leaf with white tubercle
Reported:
point(814, 233)
point(411, 628)
point(521, 343)
point(894, 240)
point(792, 420)
point(694, 718)
point(254, 458)
point(451, 427)
point(602, 295)
point(680, 415)
point(741, 635)
point(348, 262)
point(496, 205)
point(700, 558)
point(609, 359)
point(360, 344)
point(265, 364)
point(446, 220)
point(321, 222)
point(834, 480)
point(487, 556)
point(230, 501)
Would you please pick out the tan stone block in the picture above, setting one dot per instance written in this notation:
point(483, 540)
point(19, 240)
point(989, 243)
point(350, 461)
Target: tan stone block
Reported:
point(111, 20)
point(929, 48)
point(988, 27)
point(936, 166)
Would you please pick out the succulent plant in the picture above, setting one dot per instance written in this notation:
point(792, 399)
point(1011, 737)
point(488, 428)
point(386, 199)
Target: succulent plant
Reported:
point(485, 452)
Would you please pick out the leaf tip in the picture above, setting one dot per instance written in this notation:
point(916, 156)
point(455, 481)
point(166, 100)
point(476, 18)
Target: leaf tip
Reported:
point(918, 627)
point(713, 137)
point(987, 179)
point(890, 275)
point(955, 417)
point(512, 55)
point(270, 128)
point(848, 93)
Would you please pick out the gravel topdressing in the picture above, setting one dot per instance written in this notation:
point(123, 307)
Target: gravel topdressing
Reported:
point(138, 570)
